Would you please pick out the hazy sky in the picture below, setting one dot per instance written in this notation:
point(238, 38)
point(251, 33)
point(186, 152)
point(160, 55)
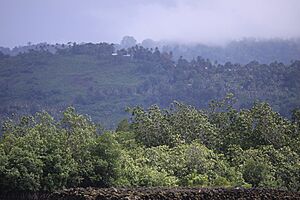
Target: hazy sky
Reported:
point(205, 21)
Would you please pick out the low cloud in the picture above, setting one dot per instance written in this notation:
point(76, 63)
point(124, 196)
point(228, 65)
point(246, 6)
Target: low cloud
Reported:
point(204, 21)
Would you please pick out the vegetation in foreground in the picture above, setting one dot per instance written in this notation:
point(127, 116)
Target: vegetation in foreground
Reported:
point(177, 146)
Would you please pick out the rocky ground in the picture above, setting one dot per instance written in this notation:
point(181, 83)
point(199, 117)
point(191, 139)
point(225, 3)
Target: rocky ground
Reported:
point(158, 193)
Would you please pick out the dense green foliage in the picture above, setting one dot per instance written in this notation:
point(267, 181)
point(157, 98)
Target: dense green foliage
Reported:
point(177, 146)
point(100, 81)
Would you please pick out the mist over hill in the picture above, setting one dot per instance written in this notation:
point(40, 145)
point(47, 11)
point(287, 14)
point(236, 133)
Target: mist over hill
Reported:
point(243, 51)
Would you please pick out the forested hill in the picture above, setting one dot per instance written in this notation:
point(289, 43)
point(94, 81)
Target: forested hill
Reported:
point(101, 82)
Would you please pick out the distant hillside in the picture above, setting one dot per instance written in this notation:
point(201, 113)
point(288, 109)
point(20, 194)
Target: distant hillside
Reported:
point(100, 81)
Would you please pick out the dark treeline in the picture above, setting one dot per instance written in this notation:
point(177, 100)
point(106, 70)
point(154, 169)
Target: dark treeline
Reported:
point(100, 81)
point(176, 146)
point(242, 51)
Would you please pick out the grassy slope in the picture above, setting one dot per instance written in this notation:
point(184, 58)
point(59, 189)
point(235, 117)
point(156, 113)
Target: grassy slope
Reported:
point(59, 79)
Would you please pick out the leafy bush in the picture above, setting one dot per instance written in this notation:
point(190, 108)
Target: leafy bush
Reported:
point(180, 146)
